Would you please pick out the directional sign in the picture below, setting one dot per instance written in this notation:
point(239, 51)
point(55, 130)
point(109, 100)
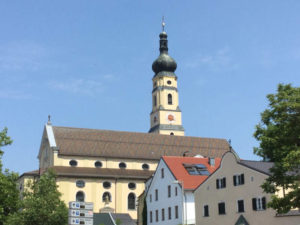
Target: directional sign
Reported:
point(83, 221)
point(81, 205)
point(81, 213)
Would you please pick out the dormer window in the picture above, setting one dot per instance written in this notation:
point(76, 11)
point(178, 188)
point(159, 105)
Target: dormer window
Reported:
point(196, 169)
point(73, 162)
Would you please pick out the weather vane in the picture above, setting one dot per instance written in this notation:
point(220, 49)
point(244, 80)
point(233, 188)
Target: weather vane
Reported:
point(163, 24)
point(49, 119)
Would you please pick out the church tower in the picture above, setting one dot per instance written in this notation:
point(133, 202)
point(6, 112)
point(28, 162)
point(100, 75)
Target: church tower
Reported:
point(166, 114)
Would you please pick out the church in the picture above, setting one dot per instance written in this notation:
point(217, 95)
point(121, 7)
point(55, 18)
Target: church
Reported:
point(109, 168)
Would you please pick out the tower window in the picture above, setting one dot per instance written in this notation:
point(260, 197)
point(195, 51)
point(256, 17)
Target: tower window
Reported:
point(154, 101)
point(169, 82)
point(170, 102)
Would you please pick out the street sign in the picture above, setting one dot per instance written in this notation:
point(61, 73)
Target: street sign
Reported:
point(81, 213)
point(83, 221)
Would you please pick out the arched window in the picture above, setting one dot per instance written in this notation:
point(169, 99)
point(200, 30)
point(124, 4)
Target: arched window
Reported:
point(170, 102)
point(154, 100)
point(171, 133)
point(79, 196)
point(131, 201)
point(106, 195)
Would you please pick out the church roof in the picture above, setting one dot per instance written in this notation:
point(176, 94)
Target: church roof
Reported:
point(119, 144)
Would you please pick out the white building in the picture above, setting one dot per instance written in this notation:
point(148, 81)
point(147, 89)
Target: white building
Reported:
point(167, 202)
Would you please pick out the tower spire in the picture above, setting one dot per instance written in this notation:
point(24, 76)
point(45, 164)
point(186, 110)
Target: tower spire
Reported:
point(163, 24)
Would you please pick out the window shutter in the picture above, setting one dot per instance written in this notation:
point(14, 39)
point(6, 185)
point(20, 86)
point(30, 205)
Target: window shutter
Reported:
point(224, 182)
point(234, 180)
point(217, 183)
point(254, 204)
point(242, 179)
point(263, 200)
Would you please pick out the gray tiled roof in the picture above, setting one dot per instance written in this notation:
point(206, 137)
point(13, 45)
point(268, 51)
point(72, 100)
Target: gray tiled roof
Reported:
point(124, 218)
point(118, 144)
point(260, 166)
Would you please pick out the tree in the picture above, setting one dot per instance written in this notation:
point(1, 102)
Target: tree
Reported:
point(9, 194)
point(278, 134)
point(41, 204)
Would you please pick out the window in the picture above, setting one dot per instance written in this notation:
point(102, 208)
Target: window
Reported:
point(145, 166)
point(150, 198)
point(169, 82)
point(73, 162)
point(154, 101)
point(259, 203)
point(169, 191)
point(176, 211)
point(206, 211)
point(162, 173)
point(176, 191)
point(240, 204)
point(221, 207)
point(169, 213)
point(106, 185)
point(131, 201)
point(170, 102)
point(132, 186)
point(238, 179)
point(196, 169)
point(98, 164)
point(156, 215)
point(122, 165)
point(171, 133)
point(79, 196)
point(163, 214)
point(156, 195)
point(80, 183)
point(150, 216)
point(106, 197)
point(221, 183)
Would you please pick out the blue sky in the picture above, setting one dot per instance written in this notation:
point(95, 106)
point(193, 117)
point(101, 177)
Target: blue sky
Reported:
point(88, 64)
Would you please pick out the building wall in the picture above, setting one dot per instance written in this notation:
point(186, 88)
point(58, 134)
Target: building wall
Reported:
point(112, 163)
point(208, 194)
point(93, 192)
point(163, 202)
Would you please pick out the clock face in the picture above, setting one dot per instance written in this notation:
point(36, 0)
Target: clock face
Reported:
point(170, 117)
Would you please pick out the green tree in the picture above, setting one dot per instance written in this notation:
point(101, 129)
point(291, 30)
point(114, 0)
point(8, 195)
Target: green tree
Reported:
point(9, 194)
point(41, 204)
point(278, 134)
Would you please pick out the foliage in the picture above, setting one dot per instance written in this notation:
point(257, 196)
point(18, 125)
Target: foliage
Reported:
point(9, 194)
point(279, 137)
point(41, 204)
point(118, 221)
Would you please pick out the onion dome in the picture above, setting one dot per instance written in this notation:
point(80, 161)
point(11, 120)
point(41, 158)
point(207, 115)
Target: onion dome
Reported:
point(164, 63)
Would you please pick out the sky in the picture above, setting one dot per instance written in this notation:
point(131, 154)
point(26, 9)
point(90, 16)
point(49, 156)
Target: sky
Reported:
point(88, 65)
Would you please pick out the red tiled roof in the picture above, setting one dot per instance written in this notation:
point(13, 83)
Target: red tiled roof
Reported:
point(190, 182)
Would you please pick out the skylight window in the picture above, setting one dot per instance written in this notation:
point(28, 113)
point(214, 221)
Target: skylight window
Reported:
point(196, 169)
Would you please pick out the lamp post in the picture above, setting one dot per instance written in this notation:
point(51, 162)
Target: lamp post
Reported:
point(183, 199)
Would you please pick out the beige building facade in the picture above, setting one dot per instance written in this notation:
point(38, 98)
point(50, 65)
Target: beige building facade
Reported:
point(232, 195)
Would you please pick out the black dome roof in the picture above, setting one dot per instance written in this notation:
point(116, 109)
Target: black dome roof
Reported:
point(164, 62)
